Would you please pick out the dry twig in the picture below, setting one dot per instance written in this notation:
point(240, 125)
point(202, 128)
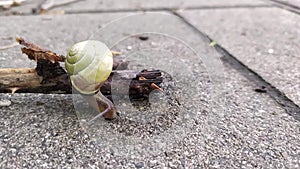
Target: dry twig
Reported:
point(50, 4)
point(50, 77)
point(36, 52)
point(8, 46)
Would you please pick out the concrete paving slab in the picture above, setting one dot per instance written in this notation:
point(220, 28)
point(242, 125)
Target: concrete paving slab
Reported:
point(26, 7)
point(43, 130)
point(55, 33)
point(115, 5)
point(266, 44)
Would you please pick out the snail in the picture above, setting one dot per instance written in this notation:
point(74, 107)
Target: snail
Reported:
point(89, 64)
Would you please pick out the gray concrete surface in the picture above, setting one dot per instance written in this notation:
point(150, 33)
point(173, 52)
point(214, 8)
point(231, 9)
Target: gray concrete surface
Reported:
point(55, 33)
point(42, 131)
point(265, 43)
point(26, 7)
point(113, 5)
point(94, 5)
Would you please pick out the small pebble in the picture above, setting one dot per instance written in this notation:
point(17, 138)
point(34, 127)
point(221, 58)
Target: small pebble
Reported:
point(285, 155)
point(129, 47)
point(4, 103)
point(271, 51)
point(153, 162)
point(153, 44)
point(139, 165)
point(39, 103)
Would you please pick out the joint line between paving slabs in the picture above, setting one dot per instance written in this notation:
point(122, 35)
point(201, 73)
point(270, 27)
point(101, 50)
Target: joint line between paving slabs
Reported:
point(163, 9)
point(285, 6)
point(227, 7)
point(287, 104)
point(117, 11)
point(166, 9)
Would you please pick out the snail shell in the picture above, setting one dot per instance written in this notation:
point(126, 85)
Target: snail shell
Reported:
point(89, 64)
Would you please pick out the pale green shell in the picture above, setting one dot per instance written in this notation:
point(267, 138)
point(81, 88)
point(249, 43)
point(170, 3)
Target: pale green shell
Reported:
point(89, 64)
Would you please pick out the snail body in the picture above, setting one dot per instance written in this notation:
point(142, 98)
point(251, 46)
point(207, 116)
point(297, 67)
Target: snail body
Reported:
point(89, 64)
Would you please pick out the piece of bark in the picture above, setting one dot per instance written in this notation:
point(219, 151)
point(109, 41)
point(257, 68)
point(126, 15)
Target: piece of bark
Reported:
point(35, 52)
point(18, 78)
point(8, 46)
point(50, 77)
point(32, 81)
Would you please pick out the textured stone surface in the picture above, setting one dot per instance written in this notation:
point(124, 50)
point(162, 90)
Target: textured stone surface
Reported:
point(94, 5)
point(56, 33)
point(26, 7)
point(43, 130)
point(267, 44)
point(115, 5)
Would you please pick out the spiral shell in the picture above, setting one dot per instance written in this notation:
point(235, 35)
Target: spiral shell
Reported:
point(89, 64)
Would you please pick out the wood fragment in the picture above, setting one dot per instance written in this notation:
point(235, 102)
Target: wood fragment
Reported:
point(8, 46)
point(36, 55)
point(50, 77)
point(116, 53)
point(143, 38)
point(29, 45)
point(36, 52)
point(154, 86)
point(28, 81)
point(14, 89)
point(18, 78)
point(142, 78)
point(6, 38)
point(50, 4)
point(7, 4)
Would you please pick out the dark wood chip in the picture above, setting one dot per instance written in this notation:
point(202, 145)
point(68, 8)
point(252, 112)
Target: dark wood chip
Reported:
point(143, 38)
point(36, 52)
